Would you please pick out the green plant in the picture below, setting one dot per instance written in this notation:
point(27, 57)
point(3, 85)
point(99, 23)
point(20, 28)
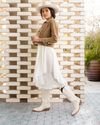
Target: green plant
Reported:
point(92, 47)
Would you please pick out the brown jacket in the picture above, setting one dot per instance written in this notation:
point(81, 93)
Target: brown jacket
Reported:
point(48, 32)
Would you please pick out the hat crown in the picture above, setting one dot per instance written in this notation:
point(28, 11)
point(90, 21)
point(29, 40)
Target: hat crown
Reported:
point(47, 4)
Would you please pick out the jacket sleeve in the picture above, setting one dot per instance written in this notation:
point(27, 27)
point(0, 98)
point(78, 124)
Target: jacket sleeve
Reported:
point(54, 34)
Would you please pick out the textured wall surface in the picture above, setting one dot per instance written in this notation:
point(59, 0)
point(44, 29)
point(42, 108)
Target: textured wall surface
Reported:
point(19, 21)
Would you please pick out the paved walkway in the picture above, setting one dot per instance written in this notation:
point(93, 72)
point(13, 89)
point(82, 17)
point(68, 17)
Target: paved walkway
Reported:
point(59, 114)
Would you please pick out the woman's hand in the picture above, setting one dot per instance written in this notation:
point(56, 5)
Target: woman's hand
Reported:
point(36, 39)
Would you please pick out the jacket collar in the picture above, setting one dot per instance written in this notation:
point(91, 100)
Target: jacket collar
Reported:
point(49, 20)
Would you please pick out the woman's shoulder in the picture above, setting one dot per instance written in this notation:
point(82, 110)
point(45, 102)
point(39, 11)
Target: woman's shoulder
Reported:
point(52, 20)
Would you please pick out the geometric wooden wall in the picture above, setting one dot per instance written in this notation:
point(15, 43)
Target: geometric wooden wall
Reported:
point(19, 21)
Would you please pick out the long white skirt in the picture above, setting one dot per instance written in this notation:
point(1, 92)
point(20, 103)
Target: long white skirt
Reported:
point(47, 74)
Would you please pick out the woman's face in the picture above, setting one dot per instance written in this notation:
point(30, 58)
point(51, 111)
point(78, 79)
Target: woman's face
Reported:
point(46, 13)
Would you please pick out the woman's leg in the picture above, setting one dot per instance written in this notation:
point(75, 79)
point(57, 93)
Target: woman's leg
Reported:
point(45, 104)
point(66, 90)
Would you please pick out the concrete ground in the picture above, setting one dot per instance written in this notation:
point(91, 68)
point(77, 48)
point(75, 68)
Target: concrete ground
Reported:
point(59, 114)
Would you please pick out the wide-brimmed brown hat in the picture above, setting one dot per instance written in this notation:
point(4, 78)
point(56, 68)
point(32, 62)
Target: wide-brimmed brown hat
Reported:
point(48, 4)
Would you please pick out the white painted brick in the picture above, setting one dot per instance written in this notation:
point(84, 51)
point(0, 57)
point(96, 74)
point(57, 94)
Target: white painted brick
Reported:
point(23, 96)
point(24, 30)
point(76, 1)
point(25, 63)
point(4, 13)
point(77, 67)
point(13, 92)
point(59, 50)
point(13, 67)
point(12, 59)
point(12, 9)
point(13, 26)
point(32, 9)
point(77, 75)
point(13, 43)
point(34, 100)
point(66, 54)
point(34, 51)
point(24, 38)
point(3, 79)
point(77, 83)
point(13, 84)
point(67, 71)
point(33, 26)
point(3, 63)
point(82, 79)
point(69, 79)
point(4, 38)
point(66, 46)
point(66, 38)
point(24, 71)
point(13, 1)
point(12, 100)
point(13, 17)
point(82, 71)
point(67, 14)
point(24, 22)
point(2, 22)
point(66, 63)
point(82, 38)
point(4, 96)
point(31, 58)
point(65, 4)
point(66, 30)
point(13, 75)
point(77, 18)
point(35, 18)
point(77, 51)
point(4, 5)
point(77, 9)
point(24, 54)
point(24, 13)
point(77, 42)
point(24, 5)
point(13, 50)
point(76, 26)
point(77, 34)
point(4, 71)
point(23, 87)
point(13, 34)
point(23, 79)
point(34, 92)
point(77, 59)
point(3, 87)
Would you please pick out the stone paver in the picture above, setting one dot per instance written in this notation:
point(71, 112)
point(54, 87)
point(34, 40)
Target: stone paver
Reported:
point(59, 114)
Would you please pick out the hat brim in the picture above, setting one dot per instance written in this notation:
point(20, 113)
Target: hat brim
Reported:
point(46, 6)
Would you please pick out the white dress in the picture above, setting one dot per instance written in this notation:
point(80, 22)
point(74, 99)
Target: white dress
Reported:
point(47, 74)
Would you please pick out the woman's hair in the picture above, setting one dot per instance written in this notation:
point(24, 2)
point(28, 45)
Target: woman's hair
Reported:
point(51, 10)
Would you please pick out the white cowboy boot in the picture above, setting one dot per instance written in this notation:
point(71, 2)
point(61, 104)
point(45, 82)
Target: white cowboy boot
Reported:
point(71, 97)
point(45, 105)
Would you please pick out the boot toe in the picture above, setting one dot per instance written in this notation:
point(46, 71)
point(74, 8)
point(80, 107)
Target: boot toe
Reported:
point(75, 111)
point(76, 107)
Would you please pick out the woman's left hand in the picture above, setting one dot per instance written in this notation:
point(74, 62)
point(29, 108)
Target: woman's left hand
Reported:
point(36, 39)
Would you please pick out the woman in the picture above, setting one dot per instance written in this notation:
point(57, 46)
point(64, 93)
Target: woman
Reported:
point(47, 74)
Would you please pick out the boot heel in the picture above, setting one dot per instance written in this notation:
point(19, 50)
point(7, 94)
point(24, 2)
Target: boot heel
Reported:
point(62, 89)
